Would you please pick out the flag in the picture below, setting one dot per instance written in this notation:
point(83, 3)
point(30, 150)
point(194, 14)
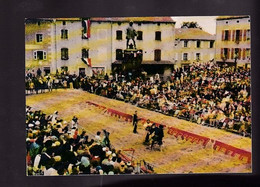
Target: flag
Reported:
point(86, 26)
point(87, 61)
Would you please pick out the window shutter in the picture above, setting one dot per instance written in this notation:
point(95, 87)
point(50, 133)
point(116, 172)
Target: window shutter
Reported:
point(201, 44)
point(188, 56)
point(44, 55)
point(233, 37)
point(229, 35)
point(189, 43)
point(201, 56)
point(182, 43)
point(223, 35)
point(35, 55)
point(244, 54)
point(239, 53)
point(222, 53)
point(240, 35)
point(232, 53)
point(244, 35)
point(228, 53)
point(182, 56)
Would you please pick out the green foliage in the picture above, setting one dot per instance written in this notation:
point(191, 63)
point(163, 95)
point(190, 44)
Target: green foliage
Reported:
point(190, 25)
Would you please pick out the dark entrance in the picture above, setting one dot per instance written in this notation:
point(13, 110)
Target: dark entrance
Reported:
point(46, 70)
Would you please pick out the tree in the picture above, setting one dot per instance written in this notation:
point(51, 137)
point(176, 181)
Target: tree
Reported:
point(190, 25)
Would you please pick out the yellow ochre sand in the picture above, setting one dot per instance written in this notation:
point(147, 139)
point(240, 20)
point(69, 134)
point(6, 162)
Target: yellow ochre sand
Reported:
point(177, 156)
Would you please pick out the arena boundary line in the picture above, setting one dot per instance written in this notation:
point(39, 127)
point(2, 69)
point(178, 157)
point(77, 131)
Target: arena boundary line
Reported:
point(188, 136)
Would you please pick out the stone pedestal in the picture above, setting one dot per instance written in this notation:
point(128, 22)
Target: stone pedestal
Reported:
point(132, 59)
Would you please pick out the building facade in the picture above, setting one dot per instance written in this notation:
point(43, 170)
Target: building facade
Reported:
point(93, 45)
point(233, 38)
point(39, 44)
point(193, 45)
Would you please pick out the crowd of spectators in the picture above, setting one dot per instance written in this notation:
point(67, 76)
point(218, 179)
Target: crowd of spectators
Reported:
point(55, 147)
point(205, 93)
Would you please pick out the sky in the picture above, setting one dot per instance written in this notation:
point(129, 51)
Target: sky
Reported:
point(208, 23)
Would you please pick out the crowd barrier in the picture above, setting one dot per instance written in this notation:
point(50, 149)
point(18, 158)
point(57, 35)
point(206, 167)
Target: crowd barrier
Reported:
point(219, 146)
point(188, 136)
point(185, 135)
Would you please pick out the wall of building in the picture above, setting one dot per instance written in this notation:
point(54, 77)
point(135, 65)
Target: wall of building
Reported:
point(206, 53)
point(232, 24)
point(102, 44)
point(99, 45)
point(148, 44)
point(31, 45)
point(73, 44)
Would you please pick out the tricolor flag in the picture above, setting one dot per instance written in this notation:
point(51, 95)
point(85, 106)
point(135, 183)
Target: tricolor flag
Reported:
point(86, 28)
point(87, 61)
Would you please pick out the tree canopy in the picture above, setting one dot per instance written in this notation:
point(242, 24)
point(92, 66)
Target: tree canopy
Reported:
point(190, 25)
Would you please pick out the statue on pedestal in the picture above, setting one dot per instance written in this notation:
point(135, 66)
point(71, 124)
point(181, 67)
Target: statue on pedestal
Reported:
point(130, 34)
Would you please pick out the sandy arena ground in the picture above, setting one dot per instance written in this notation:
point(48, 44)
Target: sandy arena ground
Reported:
point(177, 156)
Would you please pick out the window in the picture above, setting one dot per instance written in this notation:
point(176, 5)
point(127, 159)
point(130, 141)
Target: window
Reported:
point(64, 68)
point(226, 35)
point(119, 54)
point(39, 55)
point(238, 53)
point(139, 35)
point(226, 53)
point(157, 55)
point(248, 54)
point(119, 35)
point(139, 24)
point(198, 44)
point(211, 44)
point(140, 55)
point(82, 71)
point(85, 53)
point(198, 56)
point(64, 23)
point(185, 44)
point(158, 35)
point(237, 21)
point(38, 38)
point(248, 34)
point(64, 53)
point(47, 70)
point(238, 35)
point(185, 56)
point(158, 24)
point(226, 22)
point(64, 34)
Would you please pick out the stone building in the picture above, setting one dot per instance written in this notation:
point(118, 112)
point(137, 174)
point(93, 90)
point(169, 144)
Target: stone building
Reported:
point(233, 38)
point(92, 45)
point(193, 45)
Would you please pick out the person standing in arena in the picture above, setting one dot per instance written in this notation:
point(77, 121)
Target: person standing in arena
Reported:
point(135, 120)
